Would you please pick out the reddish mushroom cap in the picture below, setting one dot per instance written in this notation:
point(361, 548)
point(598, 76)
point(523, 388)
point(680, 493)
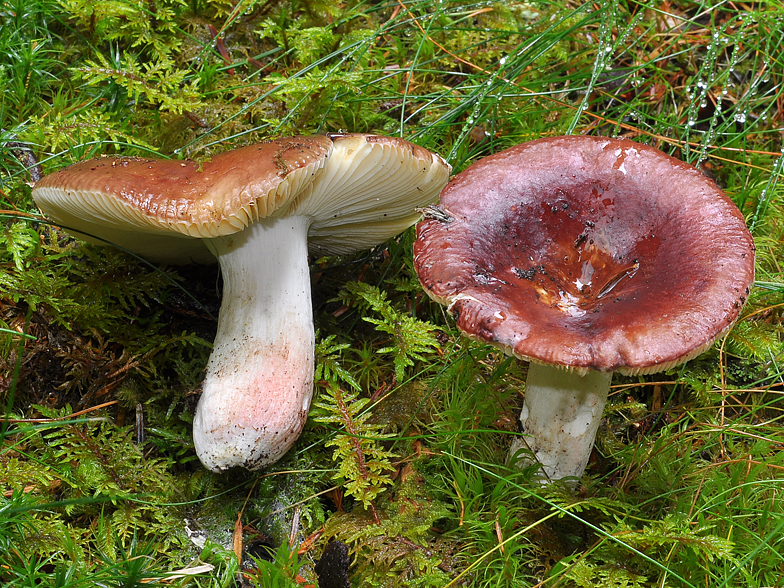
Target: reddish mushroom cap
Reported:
point(588, 253)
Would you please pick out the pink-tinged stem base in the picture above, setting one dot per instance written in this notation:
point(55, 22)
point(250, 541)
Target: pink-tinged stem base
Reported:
point(259, 382)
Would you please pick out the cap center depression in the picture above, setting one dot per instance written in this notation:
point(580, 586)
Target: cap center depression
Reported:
point(565, 250)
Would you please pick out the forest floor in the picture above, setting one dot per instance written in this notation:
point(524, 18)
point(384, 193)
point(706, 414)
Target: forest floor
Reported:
point(102, 355)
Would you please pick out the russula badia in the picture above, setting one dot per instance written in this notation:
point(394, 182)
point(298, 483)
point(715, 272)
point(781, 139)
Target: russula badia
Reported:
point(585, 256)
point(258, 209)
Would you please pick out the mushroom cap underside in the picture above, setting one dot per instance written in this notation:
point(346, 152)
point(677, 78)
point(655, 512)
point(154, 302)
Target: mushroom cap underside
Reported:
point(588, 253)
point(358, 190)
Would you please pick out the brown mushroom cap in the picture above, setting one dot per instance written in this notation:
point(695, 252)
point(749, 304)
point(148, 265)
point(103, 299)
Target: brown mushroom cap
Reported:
point(155, 207)
point(588, 253)
point(357, 190)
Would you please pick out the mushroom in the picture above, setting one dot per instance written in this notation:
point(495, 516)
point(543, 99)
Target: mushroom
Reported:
point(258, 209)
point(584, 256)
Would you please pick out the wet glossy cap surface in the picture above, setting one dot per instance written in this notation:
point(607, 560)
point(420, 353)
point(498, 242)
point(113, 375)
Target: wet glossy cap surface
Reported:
point(161, 208)
point(588, 253)
point(358, 190)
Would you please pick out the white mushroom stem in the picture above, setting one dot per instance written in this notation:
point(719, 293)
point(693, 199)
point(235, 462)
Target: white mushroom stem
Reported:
point(561, 414)
point(259, 382)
